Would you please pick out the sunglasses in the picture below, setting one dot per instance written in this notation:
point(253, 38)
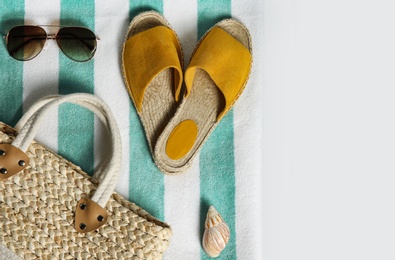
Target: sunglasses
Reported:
point(27, 41)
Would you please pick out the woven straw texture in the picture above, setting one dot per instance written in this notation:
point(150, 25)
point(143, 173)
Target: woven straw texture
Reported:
point(37, 214)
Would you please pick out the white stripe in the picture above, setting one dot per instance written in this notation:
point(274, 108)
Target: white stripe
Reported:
point(182, 193)
point(111, 21)
point(183, 17)
point(182, 211)
point(41, 74)
point(248, 141)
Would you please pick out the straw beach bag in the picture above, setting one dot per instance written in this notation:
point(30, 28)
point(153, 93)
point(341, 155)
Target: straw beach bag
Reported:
point(51, 209)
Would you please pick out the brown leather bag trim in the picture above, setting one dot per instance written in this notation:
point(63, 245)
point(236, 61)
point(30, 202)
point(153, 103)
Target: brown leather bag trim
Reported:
point(12, 161)
point(89, 216)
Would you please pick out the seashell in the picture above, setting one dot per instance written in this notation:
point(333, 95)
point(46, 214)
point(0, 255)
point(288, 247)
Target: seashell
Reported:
point(216, 233)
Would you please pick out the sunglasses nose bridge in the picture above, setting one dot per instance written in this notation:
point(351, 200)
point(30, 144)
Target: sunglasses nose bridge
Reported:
point(49, 44)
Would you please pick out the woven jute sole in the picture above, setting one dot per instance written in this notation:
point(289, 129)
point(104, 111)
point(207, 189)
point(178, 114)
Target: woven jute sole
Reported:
point(37, 214)
point(203, 105)
point(159, 104)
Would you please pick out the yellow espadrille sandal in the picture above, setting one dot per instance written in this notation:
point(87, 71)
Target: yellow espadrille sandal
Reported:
point(152, 69)
point(215, 78)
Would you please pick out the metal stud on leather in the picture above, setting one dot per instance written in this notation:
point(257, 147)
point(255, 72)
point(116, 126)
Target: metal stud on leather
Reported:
point(89, 216)
point(12, 161)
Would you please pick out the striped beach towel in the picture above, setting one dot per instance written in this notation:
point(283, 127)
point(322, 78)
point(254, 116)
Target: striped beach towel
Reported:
point(226, 173)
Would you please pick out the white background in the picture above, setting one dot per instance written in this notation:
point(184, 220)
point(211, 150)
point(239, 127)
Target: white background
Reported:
point(329, 129)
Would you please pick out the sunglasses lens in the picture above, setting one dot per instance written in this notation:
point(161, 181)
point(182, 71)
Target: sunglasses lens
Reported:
point(26, 42)
point(79, 44)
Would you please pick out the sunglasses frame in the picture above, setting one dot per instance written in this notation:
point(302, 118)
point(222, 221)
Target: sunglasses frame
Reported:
point(52, 37)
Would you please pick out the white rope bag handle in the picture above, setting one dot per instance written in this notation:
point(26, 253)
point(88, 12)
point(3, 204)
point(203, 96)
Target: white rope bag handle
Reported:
point(99, 173)
point(109, 172)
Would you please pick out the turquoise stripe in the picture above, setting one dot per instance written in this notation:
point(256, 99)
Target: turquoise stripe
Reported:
point(76, 125)
point(138, 6)
point(11, 71)
point(211, 12)
point(146, 182)
point(217, 164)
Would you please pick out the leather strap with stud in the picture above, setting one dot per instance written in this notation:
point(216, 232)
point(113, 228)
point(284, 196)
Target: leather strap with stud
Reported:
point(12, 161)
point(89, 216)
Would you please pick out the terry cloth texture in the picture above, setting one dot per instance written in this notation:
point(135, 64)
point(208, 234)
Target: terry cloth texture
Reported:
point(227, 171)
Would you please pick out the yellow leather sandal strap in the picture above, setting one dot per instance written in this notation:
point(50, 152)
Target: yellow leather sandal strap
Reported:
point(148, 53)
point(226, 60)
